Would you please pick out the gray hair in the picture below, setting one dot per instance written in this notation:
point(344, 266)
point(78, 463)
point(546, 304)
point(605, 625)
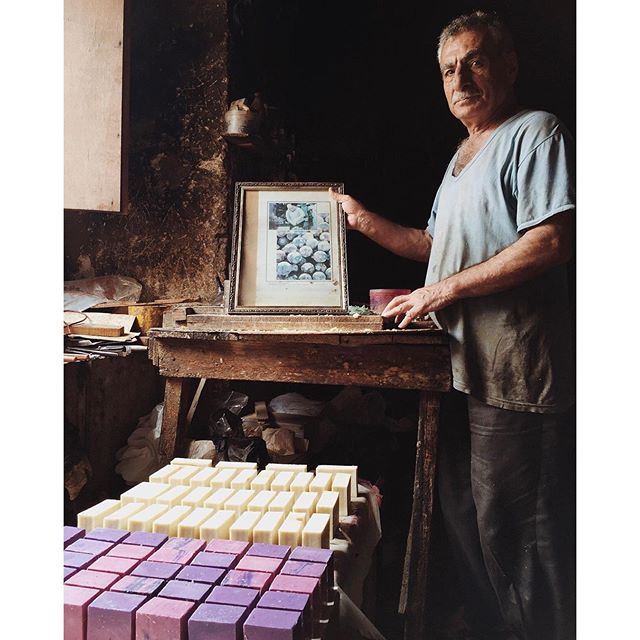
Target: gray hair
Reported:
point(478, 20)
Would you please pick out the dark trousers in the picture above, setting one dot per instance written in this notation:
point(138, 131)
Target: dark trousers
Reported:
point(506, 483)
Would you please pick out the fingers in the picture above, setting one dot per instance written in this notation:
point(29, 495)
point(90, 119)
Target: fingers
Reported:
point(396, 306)
point(338, 197)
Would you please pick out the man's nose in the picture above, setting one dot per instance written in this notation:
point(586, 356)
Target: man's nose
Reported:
point(461, 78)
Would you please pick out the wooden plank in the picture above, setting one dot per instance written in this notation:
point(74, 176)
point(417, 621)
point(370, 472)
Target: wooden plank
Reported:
point(225, 322)
point(173, 418)
point(96, 330)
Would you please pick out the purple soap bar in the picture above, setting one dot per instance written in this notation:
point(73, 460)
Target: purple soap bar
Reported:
point(183, 590)
point(76, 601)
point(93, 579)
point(273, 624)
point(108, 535)
point(130, 551)
point(310, 554)
point(147, 539)
point(269, 550)
point(259, 563)
point(298, 584)
point(77, 560)
point(195, 573)
point(309, 570)
point(163, 619)
point(113, 564)
point(138, 584)
point(300, 602)
point(94, 547)
point(221, 560)
point(248, 579)
point(234, 596)
point(178, 550)
point(71, 534)
point(236, 547)
point(163, 570)
point(217, 622)
point(112, 615)
point(69, 571)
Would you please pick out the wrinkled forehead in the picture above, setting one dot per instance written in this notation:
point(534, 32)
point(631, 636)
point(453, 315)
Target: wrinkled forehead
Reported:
point(460, 44)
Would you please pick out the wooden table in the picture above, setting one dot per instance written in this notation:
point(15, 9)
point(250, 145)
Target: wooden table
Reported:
point(408, 359)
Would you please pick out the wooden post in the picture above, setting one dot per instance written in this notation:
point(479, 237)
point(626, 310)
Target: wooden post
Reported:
point(414, 580)
point(176, 404)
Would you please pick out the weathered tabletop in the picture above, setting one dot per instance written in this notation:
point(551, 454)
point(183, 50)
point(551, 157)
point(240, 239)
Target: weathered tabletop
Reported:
point(408, 359)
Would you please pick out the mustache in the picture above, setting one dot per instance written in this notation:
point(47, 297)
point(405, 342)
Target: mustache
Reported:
point(459, 95)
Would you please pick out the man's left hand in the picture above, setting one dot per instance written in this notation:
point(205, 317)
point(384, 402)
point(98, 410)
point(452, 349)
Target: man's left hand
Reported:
point(418, 303)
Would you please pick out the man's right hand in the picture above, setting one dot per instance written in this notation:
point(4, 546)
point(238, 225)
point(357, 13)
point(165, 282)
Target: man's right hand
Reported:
point(354, 210)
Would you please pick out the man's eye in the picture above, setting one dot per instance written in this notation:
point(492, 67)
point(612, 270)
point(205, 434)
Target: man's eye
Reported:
point(448, 72)
point(476, 63)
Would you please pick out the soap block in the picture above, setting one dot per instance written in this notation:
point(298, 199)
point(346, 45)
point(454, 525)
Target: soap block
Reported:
point(281, 466)
point(177, 550)
point(71, 534)
point(130, 551)
point(112, 615)
point(236, 547)
point(151, 569)
point(138, 584)
point(147, 539)
point(300, 602)
point(217, 499)
point(316, 531)
point(163, 619)
point(145, 492)
point(92, 518)
point(229, 464)
point(239, 500)
point(183, 590)
point(290, 531)
point(189, 527)
point(260, 563)
point(269, 550)
point(112, 564)
point(222, 479)
point(93, 579)
point(162, 475)
point(321, 482)
point(168, 522)
point(299, 584)
point(196, 497)
point(266, 530)
point(329, 502)
point(306, 503)
point(262, 482)
point(109, 535)
point(203, 477)
point(173, 497)
point(144, 519)
point(282, 502)
point(342, 483)
point(350, 469)
point(217, 526)
point(309, 570)
point(92, 547)
point(219, 560)
point(183, 475)
point(76, 603)
point(242, 528)
point(247, 580)
point(308, 554)
point(195, 573)
point(119, 519)
point(234, 596)
point(217, 622)
point(77, 560)
point(260, 502)
point(68, 572)
point(243, 479)
point(282, 481)
point(192, 462)
point(300, 482)
point(272, 624)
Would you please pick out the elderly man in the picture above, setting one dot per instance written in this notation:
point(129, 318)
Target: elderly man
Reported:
point(497, 242)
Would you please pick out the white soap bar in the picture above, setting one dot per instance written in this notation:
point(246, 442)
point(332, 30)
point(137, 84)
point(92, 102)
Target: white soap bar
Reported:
point(93, 518)
point(168, 522)
point(203, 477)
point(243, 479)
point(222, 479)
point(322, 482)
point(145, 492)
point(279, 466)
point(190, 526)
point(183, 475)
point(344, 468)
point(282, 502)
point(239, 500)
point(242, 528)
point(263, 480)
point(300, 516)
point(260, 502)
point(301, 482)
point(192, 462)
point(174, 496)
point(162, 475)
point(316, 531)
point(290, 531)
point(217, 526)
point(143, 520)
point(217, 499)
point(120, 517)
point(228, 464)
point(341, 483)
point(196, 497)
point(329, 502)
point(266, 530)
point(282, 481)
point(306, 502)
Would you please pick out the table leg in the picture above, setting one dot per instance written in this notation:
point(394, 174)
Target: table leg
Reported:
point(176, 405)
point(414, 579)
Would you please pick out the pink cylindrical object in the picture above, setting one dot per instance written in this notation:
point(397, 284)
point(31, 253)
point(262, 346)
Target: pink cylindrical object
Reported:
point(380, 298)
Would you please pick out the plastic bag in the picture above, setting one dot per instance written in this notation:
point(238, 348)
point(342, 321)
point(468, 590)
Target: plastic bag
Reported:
point(84, 294)
point(245, 450)
point(224, 419)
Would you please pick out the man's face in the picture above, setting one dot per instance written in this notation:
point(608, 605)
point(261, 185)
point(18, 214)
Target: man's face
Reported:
point(477, 79)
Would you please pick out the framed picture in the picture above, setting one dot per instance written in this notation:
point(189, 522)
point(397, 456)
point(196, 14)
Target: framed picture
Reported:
point(289, 251)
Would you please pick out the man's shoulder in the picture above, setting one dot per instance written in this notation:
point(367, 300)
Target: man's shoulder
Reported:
point(536, 125)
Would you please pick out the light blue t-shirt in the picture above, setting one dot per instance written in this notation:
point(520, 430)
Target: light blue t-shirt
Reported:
point(514, 349)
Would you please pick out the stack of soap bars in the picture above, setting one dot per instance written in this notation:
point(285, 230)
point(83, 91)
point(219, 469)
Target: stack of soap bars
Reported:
point(147, 586)
point(284, 504)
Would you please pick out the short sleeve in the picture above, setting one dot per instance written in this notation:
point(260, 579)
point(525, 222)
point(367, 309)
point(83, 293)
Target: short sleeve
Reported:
point(431, 224)
point(545, 181)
